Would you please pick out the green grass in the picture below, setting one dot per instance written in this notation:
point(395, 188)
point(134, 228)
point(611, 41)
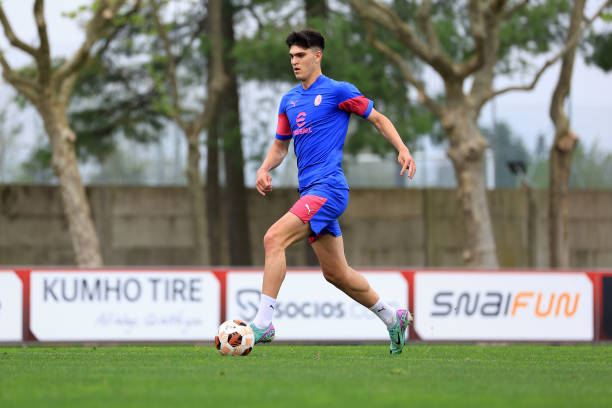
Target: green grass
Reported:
point(296, 376)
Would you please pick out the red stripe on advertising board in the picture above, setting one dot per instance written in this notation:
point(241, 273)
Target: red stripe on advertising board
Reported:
point(409, 276)
point(24, 276)
point(222, 278)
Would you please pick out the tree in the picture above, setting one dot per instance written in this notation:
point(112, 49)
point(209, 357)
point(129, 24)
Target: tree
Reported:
point(228, 126)
point(562, 148)
point(460, 41)
point(49, 88)
point(193, 127)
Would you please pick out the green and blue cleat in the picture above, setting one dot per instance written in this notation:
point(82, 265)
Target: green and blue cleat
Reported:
point(397, 333)
point(263, 335)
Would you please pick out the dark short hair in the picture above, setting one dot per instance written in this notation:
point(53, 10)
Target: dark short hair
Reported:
point(306, 39)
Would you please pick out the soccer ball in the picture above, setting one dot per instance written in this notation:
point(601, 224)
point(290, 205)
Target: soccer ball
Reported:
point(235, 338)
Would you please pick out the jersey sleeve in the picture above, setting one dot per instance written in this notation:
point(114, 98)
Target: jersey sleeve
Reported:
point(283, 127)
point(352, 101)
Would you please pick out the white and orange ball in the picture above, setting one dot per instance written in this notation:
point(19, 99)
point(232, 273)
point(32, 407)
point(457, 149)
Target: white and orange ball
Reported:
point(235, 338)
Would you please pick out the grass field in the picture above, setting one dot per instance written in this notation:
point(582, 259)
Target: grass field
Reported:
point(296, 376)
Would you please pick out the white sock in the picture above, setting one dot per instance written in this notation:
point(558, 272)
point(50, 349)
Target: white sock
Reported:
point(265, 312)
point(385, 312)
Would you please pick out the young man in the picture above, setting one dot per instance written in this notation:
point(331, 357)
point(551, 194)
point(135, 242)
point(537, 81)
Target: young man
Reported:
point(316, 114)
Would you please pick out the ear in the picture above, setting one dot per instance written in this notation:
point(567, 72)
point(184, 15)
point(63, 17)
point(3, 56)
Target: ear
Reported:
point(318, 55)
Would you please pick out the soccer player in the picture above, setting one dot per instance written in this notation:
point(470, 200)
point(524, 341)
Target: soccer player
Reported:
point(316, 114)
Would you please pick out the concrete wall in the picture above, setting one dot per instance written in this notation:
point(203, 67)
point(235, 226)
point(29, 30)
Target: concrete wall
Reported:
point(151, 226)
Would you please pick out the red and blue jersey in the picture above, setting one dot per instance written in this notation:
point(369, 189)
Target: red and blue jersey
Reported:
point(317, 119)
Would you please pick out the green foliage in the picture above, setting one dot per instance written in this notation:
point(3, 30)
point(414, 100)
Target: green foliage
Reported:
point(110, 100)
point(591, 168)
point(37, 168)
point(600, 52)
point(506, 147)
point(125, 91)
point(9, 132)
point(533, 30)
point(75, 13)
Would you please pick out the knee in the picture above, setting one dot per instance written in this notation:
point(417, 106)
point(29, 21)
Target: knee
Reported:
point(272, 241)
point(335, 276)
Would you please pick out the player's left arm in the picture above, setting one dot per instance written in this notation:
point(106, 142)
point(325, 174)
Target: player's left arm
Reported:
point(386, 128)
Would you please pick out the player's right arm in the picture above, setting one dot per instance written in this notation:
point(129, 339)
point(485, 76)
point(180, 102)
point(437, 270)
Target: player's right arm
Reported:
point(277, 152)
point(273, 159)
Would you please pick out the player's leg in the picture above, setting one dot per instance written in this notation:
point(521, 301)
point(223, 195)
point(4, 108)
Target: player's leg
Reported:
point(330, 251)
point(284, 232)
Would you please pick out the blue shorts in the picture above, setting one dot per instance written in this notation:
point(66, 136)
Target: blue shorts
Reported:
point(321, 206)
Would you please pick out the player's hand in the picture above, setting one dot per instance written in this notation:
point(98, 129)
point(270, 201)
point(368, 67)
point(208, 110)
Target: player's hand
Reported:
point(405, 159)
point(263, 184)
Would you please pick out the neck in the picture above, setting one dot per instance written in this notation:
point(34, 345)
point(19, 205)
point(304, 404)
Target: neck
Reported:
point(311, 79)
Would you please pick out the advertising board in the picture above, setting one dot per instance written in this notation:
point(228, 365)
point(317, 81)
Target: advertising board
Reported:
point(310, 308)
point(11, 307)
point(129, 305)
point(503, 306)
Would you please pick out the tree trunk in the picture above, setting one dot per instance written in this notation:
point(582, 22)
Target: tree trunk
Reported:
point(560, 167)
point(76, 205)
point(196, 195)
point(561, 152)
point(237, 198)
point(213, 193)
point(467, 154)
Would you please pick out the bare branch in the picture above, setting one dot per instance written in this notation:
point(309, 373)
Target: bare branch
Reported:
point(171, 70)
point(44, 54)
point(41, 25)
point(13, 39)
point(371, 10)
point(565, 75)
point(477, 26)
point(102, 17)
point(23, 85)
point(510, 13)
point(406, 72)
point(571, 42)
point(424, 18)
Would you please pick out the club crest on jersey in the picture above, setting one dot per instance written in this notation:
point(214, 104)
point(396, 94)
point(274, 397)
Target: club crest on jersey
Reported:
point(318, 100)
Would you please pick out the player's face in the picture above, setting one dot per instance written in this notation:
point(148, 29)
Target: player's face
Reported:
point(304, 61)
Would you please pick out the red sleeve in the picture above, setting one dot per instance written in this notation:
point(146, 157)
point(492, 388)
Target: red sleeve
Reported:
point(283, 129)
point(359, 105)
